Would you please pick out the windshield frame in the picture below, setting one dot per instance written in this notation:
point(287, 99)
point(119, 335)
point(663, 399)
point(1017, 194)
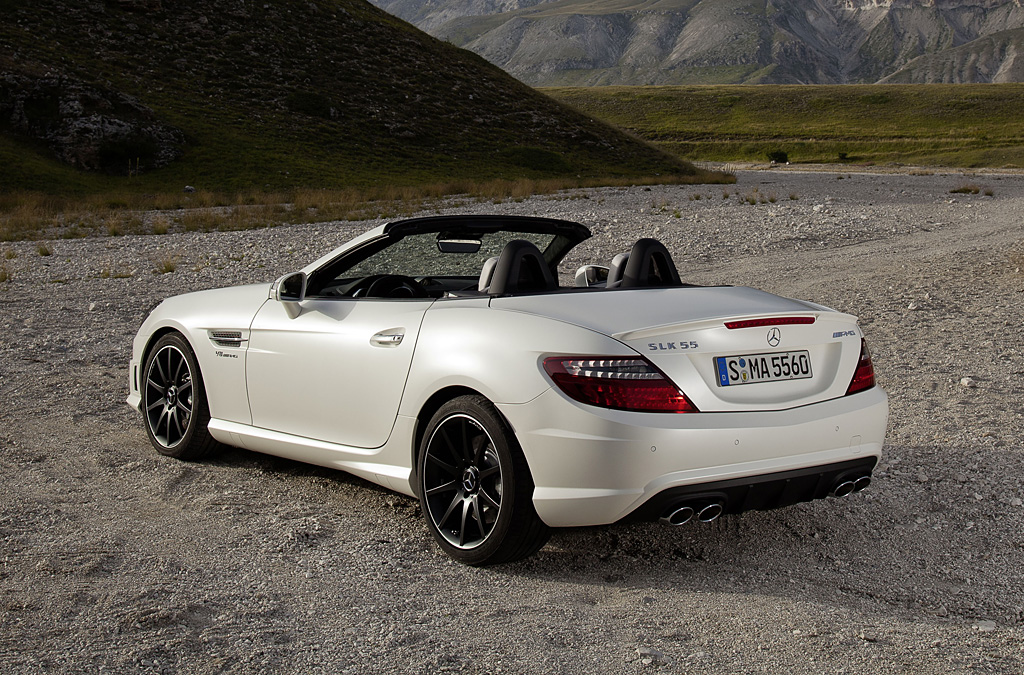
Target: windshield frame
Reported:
point(565, 236)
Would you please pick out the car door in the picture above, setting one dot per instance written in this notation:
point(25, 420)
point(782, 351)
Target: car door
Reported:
point(336, 371)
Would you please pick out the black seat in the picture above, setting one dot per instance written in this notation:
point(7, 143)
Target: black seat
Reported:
point(649, 264)
point(521, 268)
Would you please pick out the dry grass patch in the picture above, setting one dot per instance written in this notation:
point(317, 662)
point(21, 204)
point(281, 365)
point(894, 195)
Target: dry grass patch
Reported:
point(166, 263)
point(35, 216)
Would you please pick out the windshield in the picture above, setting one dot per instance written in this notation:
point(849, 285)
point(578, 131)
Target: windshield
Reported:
point(421, 256)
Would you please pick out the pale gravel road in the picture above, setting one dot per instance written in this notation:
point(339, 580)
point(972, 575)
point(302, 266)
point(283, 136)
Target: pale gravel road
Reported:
point(116, 560)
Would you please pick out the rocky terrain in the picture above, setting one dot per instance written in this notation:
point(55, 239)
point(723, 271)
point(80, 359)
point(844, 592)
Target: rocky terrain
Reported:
point(117, 560)
point(594, 42)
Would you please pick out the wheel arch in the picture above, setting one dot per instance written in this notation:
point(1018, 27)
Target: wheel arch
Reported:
point(426, 412)
point(155, 337)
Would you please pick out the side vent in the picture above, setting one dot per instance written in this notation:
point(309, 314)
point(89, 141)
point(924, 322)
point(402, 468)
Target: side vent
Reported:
point(226, 338)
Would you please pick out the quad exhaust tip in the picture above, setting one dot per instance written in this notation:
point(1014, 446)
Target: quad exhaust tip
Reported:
point(680, 515)
point(848, 486)
point(710, 512)
point(844, 488)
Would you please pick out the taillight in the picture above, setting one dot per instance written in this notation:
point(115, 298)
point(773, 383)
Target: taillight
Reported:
point(864, 376)
point(618, 383)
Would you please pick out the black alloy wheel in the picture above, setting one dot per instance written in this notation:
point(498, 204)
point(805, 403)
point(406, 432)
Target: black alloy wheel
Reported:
point(475, 486)
point(174, 401)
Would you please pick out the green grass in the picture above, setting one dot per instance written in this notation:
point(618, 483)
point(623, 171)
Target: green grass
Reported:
point(942, 125)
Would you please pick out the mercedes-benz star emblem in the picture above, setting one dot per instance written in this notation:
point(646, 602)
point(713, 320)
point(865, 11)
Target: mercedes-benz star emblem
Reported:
point(774, 337)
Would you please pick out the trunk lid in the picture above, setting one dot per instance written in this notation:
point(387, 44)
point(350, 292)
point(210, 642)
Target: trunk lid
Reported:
point(802, 352)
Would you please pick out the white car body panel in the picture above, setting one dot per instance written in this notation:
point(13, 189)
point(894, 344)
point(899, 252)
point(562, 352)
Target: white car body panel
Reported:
point(195, 315)
point(384, 465)
point(322, 375)
point(596, 472)
point(324, 381)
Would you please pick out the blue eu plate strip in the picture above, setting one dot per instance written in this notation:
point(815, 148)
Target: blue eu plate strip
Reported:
point(723, 371)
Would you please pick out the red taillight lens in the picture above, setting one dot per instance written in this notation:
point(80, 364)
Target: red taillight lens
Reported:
point(864, 376)
point(617, 383)
point(771, 321)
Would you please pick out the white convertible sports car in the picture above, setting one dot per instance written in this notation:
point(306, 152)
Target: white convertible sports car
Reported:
point(441, 358)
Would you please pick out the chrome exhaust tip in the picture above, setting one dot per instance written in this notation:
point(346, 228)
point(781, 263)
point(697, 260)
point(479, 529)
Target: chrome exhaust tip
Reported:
point(861, 483)
point(678, 516)
point(844, 488)
point(710, 512)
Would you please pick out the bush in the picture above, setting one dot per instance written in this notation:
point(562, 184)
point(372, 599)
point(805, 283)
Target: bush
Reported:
point(778, 156)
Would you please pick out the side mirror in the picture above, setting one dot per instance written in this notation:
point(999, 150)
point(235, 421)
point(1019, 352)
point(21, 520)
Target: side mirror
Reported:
point(290, 288)
point(591, 275)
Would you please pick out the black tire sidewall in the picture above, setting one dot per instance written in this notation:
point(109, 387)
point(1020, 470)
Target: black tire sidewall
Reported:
point(183, 449)
point(493, 549)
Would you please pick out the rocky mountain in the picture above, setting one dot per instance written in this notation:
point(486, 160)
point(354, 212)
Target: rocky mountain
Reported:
point(601, 42)
point(233, 94)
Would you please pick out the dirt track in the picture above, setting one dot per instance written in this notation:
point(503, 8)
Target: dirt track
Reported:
point(115, 559)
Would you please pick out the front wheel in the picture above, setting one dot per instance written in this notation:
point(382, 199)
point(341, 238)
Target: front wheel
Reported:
point(475, 486)
point(174, 400)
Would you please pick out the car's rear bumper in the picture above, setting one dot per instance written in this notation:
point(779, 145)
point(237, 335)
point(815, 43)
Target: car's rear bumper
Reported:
point(593, 466)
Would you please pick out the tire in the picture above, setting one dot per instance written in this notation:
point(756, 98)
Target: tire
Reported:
point(174, 404)
point(475, 487)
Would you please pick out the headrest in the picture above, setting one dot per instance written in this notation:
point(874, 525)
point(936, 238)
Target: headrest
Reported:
point(649, 264)
point(521, 268)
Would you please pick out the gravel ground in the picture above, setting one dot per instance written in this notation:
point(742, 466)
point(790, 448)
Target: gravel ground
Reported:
point(115, 559)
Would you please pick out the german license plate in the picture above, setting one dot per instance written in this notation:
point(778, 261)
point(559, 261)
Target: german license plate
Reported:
point(753, 368)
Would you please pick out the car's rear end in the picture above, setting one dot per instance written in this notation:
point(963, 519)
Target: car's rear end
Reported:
point(722, 400)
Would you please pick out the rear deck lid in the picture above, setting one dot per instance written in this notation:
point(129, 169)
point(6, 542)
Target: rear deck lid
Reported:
point(727, 348)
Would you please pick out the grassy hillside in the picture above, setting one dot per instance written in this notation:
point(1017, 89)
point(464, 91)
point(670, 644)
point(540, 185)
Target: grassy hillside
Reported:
point(280, 95)
point(948, 125)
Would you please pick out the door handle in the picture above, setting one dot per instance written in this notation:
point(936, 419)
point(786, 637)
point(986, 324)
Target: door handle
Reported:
point(388, 338)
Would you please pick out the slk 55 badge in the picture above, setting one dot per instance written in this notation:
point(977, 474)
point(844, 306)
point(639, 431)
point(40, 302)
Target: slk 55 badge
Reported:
point(667, 346)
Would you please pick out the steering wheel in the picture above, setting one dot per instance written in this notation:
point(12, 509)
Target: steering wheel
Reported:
point(396, 286)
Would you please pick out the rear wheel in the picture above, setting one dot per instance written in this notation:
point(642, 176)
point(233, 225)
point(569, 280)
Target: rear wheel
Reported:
point(174, 400)
point(475, 486)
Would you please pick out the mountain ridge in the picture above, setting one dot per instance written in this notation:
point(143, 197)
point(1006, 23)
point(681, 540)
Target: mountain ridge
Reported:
point(658, 42)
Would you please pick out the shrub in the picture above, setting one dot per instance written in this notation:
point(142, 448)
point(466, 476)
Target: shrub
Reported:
point(966, 189)
point(778, 156)
point(44, 250)
point(167, 264)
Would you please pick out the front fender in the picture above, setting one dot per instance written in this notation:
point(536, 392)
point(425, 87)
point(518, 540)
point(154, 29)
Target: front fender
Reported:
point(195, 315)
